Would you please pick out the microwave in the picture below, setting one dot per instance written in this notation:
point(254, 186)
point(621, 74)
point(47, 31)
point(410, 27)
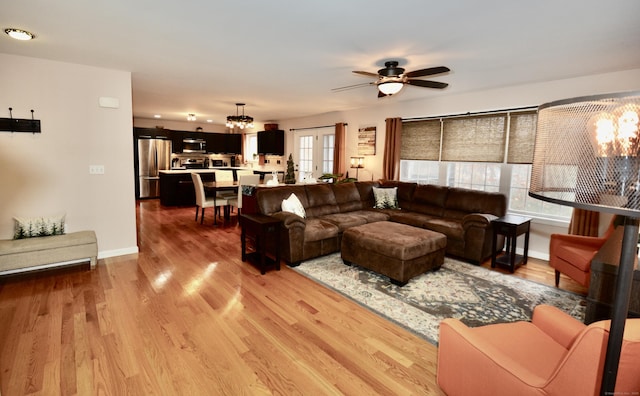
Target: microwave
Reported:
point(194, 145)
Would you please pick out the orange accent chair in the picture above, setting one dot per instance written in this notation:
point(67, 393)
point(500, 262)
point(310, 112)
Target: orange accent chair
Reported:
point(572, 254)
point(554, 354)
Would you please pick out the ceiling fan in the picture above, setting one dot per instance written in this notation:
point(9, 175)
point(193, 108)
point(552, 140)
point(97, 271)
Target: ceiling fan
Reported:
point(392, 78)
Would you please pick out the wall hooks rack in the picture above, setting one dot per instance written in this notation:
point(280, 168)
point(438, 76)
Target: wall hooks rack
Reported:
point(19, 124)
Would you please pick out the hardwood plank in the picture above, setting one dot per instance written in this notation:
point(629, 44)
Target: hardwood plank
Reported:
point(187, 316)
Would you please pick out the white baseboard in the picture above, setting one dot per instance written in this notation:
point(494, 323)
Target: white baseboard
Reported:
point(117, 252)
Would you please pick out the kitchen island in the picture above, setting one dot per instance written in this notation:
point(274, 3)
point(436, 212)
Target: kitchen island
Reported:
point(176, 186)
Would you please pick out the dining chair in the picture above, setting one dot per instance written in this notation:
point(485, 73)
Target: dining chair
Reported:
point(202, 201)
point(243, 180)
point(243, 172)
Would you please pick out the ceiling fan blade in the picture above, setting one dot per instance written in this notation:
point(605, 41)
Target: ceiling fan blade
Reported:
point(364, 73)
point(381, 95)
point(339, 89)
point(428, 84)
point(427, 72)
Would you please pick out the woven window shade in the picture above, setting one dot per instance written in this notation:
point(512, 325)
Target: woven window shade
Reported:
point(522, 136)
point(474, 139)
point(420, 140)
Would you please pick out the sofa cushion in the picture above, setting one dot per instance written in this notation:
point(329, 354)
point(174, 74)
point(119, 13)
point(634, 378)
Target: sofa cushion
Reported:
point(410, 218)
point(270, 199)
point(344, 220)
point(317, 229)
point(366, 192)
point(347, 197)
point(293, 205)
point(462, 201)
point(321, 200)
point(449, 227)
point(29, 227)
point(405, 191)
point(386, 198)
point(371, 215)
point(429, 199)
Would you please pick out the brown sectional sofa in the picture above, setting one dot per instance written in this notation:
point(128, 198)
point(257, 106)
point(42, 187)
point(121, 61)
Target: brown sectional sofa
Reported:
point(463, 216)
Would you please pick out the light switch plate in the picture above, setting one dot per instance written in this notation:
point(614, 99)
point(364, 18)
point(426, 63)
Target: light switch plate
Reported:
point(96, 169)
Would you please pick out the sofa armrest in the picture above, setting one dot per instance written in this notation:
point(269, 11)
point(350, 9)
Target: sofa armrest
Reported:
point(290, 220)
point(477, 220)
point(558, 325)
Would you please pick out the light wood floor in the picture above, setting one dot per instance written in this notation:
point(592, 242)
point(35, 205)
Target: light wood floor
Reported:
point(187, 316)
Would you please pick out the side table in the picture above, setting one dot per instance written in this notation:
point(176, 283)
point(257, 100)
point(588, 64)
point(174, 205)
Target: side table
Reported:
point(265, 232)
point(511, 226)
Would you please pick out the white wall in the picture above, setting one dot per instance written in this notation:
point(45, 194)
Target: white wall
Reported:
point(48, 173)
point(443, 104)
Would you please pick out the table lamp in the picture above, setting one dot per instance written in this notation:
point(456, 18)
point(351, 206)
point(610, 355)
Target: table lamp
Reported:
point(357, 163)
point(586, 156)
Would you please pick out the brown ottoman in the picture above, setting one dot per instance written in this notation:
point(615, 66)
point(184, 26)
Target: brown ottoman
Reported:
point(396, 250)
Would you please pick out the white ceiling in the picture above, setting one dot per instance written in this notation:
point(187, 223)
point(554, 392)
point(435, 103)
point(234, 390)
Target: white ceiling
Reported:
point(283, 57)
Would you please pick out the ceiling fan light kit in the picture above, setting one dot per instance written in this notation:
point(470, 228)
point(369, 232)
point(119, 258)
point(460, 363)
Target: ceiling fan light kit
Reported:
point(392, 78)
point(390, 87)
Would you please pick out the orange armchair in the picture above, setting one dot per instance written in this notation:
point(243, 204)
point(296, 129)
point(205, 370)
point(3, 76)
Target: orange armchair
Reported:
point(554, 354)
point(572, 254)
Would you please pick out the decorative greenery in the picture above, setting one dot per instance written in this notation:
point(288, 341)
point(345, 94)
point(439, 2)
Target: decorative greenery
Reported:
point(336, 178)
point(290, 176)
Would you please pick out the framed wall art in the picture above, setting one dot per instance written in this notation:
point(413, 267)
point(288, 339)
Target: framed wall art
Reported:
point(367, 141)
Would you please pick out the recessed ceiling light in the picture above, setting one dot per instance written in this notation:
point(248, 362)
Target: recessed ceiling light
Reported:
point(19, 34)
point(209, 120)
point(157, 116)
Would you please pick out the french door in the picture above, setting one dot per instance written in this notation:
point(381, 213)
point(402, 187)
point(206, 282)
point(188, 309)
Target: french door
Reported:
point(313, 152)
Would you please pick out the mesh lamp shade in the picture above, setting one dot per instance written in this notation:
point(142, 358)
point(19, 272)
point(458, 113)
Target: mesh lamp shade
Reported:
point(586, 153)
point(586, 156)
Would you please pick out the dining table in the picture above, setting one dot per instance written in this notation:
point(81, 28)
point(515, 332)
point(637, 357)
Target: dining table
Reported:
point(211, 188)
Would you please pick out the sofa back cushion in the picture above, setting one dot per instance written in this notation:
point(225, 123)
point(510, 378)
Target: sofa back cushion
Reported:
point(321, 200)
point(347, 197)
point(405, 191)
point(365, 188)
point(462, 201)
point(429, 199)
point(270, 198)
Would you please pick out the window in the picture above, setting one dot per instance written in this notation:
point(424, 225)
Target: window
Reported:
point(251, 147)
point(491, 152)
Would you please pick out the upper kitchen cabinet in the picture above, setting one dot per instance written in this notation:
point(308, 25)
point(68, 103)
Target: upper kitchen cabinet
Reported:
point(233, 143)
point(271, 142)
point(151, 133)
point(176, 139)
point(215, 142)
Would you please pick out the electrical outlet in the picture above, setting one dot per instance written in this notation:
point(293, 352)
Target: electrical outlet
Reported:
point(96, 169)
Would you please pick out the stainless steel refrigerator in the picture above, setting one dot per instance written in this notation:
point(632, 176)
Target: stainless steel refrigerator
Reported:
point(154, 155)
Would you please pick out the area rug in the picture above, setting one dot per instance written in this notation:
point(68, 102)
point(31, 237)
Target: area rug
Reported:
point(475, 295)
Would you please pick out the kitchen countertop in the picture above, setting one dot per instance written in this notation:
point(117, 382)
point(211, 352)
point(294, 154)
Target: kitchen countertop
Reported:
point(176, 171)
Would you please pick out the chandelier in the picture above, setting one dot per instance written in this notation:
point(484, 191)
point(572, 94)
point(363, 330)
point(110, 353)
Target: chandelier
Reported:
point(239, 121)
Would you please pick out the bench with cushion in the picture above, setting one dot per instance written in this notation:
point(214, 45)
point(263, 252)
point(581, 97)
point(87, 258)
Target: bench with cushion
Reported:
point(17, 255)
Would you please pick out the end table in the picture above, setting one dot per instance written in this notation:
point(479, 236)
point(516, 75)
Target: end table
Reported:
point(264, 230)
point(511, 226)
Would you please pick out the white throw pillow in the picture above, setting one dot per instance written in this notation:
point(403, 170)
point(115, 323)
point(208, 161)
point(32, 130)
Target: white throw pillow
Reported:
point(29, 227)
point(293, 205)
point(386, 198)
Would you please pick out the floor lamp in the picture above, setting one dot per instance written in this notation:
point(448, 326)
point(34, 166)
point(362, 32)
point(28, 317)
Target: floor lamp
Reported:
point(586, 156)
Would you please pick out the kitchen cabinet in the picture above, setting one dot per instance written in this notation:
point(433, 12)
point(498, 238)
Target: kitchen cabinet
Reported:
point(176, 189)
point(233, 143)
point(271, 142)
point(215, 142)
point(176, 141)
